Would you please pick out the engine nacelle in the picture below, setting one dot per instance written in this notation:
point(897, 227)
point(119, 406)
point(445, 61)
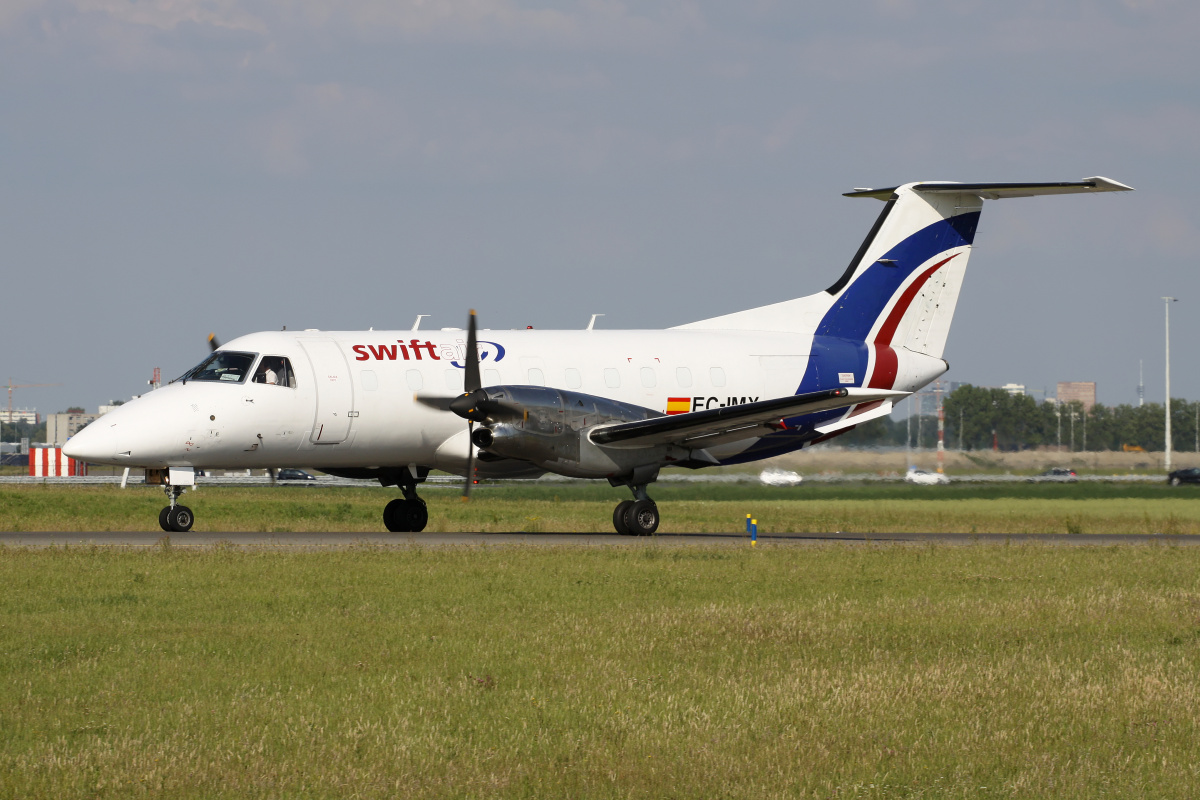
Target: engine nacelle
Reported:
point(549, 428)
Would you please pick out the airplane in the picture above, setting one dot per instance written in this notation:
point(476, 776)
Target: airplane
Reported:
point(618, 405)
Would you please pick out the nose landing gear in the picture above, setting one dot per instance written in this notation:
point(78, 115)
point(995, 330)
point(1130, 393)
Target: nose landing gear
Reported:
point(175, 518)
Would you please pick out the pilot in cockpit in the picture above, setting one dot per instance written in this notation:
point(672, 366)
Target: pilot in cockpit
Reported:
point(267, 372)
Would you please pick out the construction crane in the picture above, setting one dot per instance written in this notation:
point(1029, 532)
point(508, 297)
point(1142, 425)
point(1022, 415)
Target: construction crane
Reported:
point(12, 386)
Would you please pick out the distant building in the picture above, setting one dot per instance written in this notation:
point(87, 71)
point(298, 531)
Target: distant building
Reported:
point(22, 415)
point(1015, 389)
point(60, 427)
point(1078, 392)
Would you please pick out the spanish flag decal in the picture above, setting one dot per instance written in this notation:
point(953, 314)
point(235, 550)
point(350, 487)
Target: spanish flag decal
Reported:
point(679, 405)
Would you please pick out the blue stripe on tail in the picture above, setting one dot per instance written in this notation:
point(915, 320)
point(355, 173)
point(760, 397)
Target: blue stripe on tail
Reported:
point(861, 304)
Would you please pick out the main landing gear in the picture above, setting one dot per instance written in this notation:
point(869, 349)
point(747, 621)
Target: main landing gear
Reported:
point(407, 514)
point(175, 518)
point(636, 517)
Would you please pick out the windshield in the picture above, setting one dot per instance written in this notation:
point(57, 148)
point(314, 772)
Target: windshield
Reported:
point(224, 365)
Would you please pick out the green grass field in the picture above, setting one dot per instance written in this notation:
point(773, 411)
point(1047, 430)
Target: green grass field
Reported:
point(705, 508)
point(831, 671)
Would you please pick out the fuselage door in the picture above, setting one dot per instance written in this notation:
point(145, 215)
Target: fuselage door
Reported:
point(335, 391)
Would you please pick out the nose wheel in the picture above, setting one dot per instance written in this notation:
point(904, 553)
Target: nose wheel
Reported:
point(175, 518)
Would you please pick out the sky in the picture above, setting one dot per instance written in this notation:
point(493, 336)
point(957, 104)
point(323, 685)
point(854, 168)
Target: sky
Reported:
point(174, 167)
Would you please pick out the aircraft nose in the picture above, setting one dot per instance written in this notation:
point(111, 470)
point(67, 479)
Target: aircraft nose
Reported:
point(97, 443)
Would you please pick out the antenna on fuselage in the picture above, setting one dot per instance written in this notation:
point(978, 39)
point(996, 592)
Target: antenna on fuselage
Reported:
point(593, 321)
point(420, 317)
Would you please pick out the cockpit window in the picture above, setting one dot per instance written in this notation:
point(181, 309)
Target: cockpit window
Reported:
point(275, 371)
point(226, 366)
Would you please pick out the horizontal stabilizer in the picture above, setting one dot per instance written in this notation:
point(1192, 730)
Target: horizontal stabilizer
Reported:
point(717, 425)
point(997, 191)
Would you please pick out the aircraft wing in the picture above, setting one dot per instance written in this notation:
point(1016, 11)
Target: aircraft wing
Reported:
point(718, 425)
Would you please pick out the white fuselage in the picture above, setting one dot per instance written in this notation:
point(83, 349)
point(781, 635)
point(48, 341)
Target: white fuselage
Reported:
point(352, 405)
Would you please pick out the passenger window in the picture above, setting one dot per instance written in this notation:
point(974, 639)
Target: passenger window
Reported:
point(572, 378)
point(535, 376)
point(415, 381)
point(491, 377)
point(612, 378)
point(368, 379)
point(649, 379)
point(717, 376)
point(454, 379)
point(275, 371)
point(683, 376)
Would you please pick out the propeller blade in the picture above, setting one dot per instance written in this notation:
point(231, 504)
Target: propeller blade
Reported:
point(434, 401)
point(213, 344)
point(471, 380)
point(466, 494)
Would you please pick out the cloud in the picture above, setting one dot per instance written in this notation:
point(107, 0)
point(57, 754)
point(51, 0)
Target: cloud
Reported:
point(330, 124)
point(169, 14)
point(591, 22)
point(12, 11)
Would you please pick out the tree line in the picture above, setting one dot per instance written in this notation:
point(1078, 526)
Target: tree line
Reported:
point(976, 418)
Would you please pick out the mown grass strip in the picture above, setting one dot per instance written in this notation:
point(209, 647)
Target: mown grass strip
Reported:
point(567, 508)
point(534, 672)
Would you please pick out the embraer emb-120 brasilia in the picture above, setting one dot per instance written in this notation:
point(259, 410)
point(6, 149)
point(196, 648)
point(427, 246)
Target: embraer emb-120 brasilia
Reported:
point(615, 405)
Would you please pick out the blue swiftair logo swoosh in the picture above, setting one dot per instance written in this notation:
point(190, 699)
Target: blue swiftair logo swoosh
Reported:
point(494, 351)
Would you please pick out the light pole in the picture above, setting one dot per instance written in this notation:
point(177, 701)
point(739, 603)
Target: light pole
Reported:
point(1167, 448)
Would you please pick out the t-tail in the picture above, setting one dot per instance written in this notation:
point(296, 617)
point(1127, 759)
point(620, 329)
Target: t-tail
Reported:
point(883, 324)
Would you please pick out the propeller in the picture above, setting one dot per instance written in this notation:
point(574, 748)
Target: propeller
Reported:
point(471, 386)
point(472, 405)
point(213, 344)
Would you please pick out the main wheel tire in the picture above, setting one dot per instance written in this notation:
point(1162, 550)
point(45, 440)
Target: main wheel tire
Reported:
point(395, 516)
point(642, 518)
point(619, 517)
point(417, 515)
point(162, 519)
point(180, 518)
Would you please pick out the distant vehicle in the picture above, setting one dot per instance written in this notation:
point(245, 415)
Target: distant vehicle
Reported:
point(1184, 476)
point(294, 475)
point(780, 477)
point(923, 478)
point(1056, 475)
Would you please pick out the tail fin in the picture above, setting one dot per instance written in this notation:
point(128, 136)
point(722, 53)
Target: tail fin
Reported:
point(902, 285)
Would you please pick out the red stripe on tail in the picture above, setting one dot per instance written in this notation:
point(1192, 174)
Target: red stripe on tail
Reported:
point(886, 362)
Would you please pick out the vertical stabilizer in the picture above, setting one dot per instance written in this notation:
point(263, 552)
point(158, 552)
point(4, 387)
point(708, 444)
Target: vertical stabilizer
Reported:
point(902, 286)
point(900, 289)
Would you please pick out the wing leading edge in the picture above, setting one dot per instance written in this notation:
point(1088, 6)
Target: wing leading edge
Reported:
point(719, 425)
